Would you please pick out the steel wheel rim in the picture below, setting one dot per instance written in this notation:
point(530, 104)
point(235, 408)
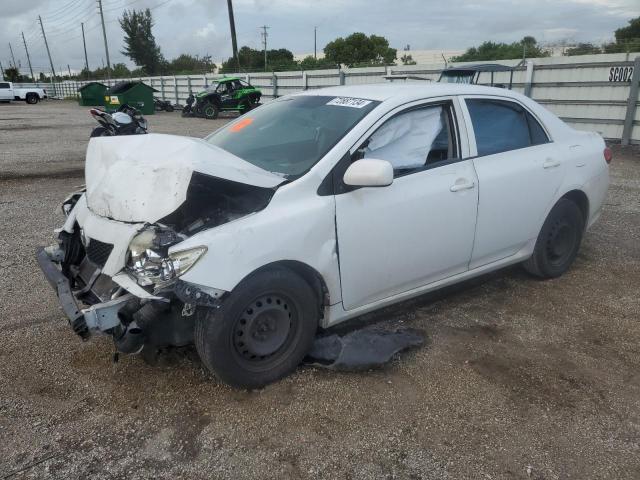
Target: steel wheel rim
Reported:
point(265, 330)
point(561, 242)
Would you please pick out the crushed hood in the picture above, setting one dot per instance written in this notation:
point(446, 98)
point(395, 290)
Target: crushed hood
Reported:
point(143, 178)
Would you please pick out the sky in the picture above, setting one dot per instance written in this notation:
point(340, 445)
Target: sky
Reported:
point(201, 27)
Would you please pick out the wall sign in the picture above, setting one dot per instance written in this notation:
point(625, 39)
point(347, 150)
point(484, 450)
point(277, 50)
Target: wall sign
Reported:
point(620, 74)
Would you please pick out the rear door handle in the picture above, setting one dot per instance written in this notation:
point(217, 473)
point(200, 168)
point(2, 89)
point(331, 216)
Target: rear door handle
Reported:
point(462, 184)
point(551, 163)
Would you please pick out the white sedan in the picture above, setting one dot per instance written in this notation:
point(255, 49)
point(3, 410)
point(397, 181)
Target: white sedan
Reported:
point(313, 209)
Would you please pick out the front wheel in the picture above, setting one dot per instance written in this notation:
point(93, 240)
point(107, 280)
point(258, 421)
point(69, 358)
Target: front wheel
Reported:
point(261, 332)
point(101, 132)
point(210, 111)
point(558, 242)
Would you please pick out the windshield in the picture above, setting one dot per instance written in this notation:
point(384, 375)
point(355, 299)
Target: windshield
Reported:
point(290, 135)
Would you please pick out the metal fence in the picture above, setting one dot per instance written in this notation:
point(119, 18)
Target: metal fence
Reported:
point(591, 92)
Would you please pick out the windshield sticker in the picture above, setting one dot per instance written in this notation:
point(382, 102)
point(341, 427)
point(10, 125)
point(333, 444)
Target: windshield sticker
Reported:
point(236, 127)
point(349, 102)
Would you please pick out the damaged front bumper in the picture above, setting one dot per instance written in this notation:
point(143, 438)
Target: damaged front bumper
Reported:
point(118, 315)
point(101, 316)
point(102, 289)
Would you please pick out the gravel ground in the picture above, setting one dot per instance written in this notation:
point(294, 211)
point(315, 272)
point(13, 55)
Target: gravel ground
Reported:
point(520, 378)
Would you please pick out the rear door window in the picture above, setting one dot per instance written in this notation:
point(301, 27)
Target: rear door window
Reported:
point(500, 126)
point(4, 85)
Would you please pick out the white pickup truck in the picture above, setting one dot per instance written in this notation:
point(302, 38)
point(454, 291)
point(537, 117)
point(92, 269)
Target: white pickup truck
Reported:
point(30, 95)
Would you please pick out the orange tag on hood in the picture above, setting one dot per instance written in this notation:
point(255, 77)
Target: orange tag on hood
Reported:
point(241, 124)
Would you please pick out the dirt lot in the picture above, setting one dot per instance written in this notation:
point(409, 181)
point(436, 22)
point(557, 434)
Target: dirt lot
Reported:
point(520, 378)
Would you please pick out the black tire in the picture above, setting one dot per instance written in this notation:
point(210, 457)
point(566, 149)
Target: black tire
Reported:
point(558, 241)
point(169, 108)
point(261, 332)
point(100, 132)
point(245, 106)
point(210, 111)
point(32, 98)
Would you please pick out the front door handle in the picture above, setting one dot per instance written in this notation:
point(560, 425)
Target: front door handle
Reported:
point(462, 184)
point(551, 163)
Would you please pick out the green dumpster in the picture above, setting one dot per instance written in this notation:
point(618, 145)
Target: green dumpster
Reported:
point(135, 94)
point(92, 94)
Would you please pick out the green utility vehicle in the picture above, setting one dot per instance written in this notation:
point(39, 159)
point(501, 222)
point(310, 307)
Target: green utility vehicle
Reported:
point(225, 94)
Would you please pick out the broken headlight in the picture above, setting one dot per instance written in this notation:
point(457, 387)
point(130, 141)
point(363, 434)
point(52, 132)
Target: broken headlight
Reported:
point(152, 264)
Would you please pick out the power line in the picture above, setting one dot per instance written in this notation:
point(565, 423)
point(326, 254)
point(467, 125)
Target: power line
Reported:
point(64, 10)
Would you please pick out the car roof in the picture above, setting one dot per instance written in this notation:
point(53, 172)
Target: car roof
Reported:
point(408, 91)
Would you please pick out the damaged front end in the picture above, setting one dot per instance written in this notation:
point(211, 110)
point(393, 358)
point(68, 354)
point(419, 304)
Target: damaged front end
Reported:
point(121, 276)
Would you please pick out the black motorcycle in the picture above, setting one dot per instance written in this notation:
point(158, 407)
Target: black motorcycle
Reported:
point(125, 121)
point(162, 105)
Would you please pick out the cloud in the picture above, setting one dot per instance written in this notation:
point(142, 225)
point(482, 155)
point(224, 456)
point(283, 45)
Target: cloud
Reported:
point(201, 27)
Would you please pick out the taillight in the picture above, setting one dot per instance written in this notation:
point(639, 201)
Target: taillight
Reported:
point(608, 155)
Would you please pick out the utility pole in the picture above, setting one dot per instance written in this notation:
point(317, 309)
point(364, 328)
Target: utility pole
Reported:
point(2, 70)
point(315, 42)
point(104, 34)
point(53, 70)
point(84, 43)
point(15, 65)
point(264, 44)
point(28, 58)
point(69, 70)
point(234, 43)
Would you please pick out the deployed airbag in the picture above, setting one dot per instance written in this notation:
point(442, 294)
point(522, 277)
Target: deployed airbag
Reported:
point(406, 140)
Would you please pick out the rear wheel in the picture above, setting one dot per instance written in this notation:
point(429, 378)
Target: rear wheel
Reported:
point(101, 132)
point(558, 242)
point(261, 332)
point(32, 98)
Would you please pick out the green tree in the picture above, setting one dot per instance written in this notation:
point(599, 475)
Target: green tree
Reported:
point(311, 63)
point(583, 49)
point(527, 47)
point(407, 60)
point(120, 70)
point(630, 32)
point(12, 74)
point(140, 44)
point(185, 64)
point(627, 38)
point(359, 48)
point(252, 60)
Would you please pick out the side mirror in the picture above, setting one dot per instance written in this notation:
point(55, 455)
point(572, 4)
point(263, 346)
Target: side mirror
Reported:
point(369, 172)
